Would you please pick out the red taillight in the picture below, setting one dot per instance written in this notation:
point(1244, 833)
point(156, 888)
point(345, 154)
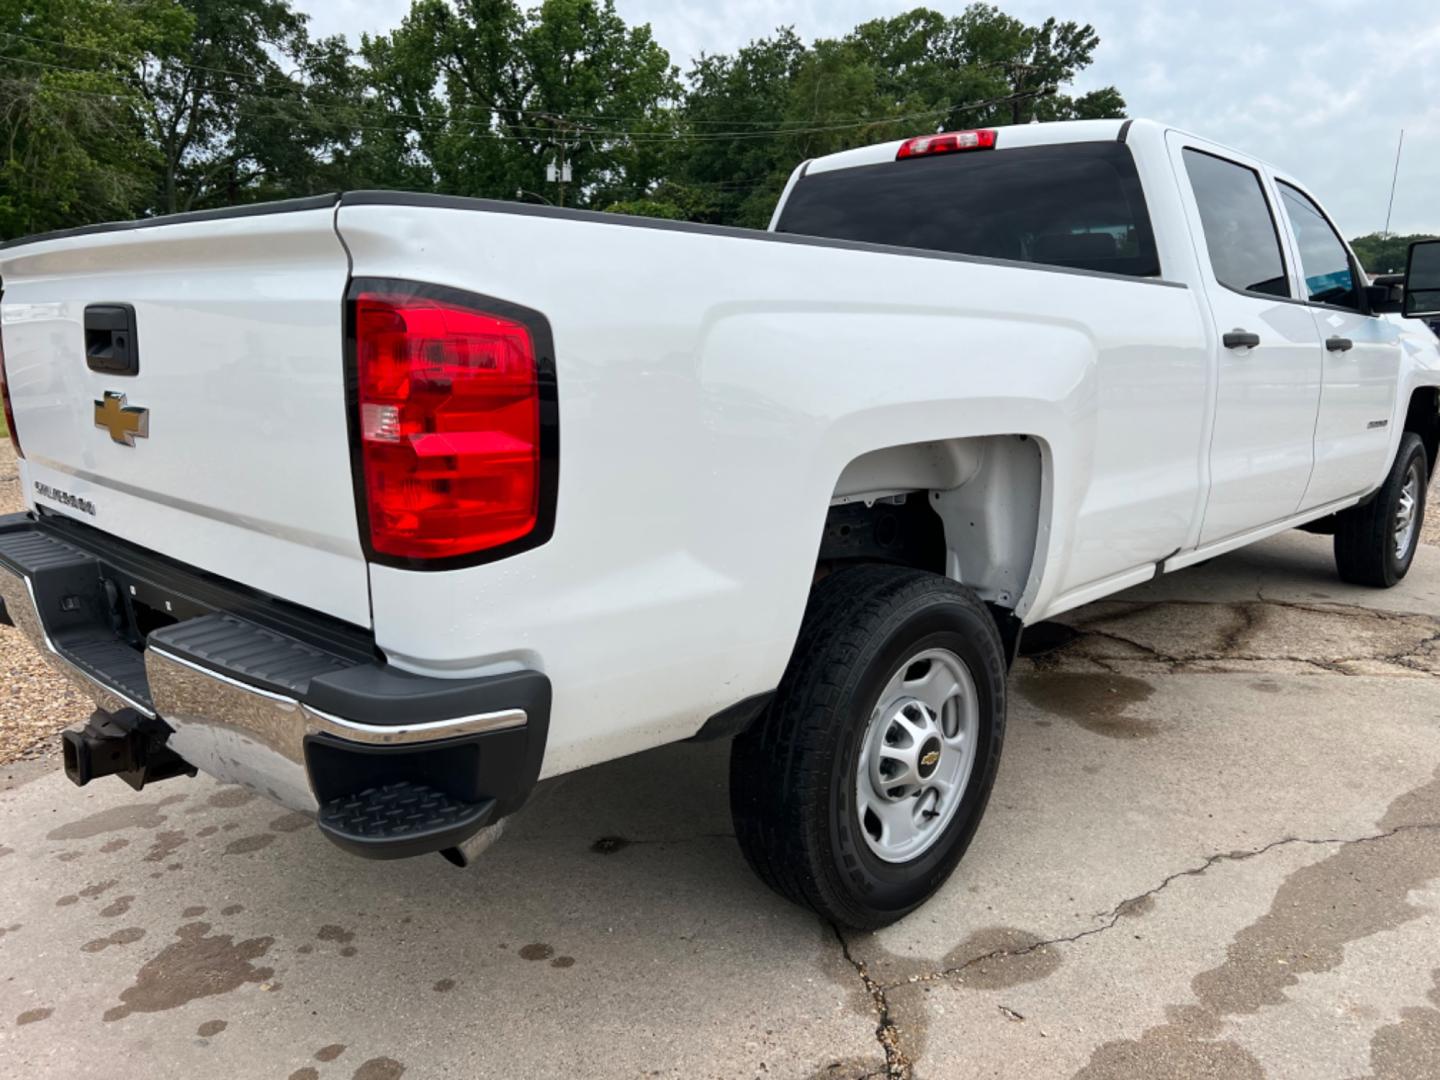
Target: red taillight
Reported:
point(449, 425)
point(9, 411)
point(947, 142)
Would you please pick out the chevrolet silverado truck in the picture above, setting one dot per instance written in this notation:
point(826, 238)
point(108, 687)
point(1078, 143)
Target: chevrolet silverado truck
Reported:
point(390, 506)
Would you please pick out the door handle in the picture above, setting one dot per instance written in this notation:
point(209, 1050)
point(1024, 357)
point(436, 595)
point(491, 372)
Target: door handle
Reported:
point(1240, 339)
point(1339, 344)
point(110, 345)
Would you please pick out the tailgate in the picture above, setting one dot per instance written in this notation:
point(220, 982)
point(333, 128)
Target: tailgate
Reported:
point(227, 447)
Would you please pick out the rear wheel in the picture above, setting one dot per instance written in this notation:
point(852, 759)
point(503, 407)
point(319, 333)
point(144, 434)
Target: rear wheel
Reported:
point(1375, 543)
point(859, 789)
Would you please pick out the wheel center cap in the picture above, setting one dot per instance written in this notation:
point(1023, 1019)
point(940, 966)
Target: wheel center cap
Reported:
point(929, 757)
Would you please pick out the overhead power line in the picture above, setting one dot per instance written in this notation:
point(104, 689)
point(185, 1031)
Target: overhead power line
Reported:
point(540, 133)
point(249, 76)
point(494, 115)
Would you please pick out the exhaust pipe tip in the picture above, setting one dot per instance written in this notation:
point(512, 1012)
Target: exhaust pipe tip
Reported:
point(466, 853)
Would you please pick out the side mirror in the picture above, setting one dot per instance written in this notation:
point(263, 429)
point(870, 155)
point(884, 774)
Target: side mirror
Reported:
point(1386, 294)
point(1422, 280)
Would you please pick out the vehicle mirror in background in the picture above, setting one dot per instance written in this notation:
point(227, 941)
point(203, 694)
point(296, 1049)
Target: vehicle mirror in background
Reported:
point(1422, 280)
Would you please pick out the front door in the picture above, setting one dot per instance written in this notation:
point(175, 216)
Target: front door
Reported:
point(1361, 358)
point(1268, 367)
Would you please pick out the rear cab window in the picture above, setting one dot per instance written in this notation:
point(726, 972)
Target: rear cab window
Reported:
point(1240, 232)
point(1076, 205)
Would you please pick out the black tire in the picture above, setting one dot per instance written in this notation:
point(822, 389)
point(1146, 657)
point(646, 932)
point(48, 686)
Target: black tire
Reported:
point(1365, 543)
point(792, 772)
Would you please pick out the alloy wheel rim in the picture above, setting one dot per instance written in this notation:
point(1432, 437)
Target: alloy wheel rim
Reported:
point(917, 755)
point(1405, 511)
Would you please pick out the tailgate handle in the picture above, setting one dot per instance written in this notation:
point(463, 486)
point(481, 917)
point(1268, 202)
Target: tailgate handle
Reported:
point(110, 344)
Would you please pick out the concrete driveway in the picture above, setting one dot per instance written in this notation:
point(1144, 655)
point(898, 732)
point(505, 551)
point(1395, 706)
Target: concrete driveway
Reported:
point(1214, 850)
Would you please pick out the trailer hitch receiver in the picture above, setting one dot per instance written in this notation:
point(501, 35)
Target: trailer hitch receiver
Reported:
point(123, 744)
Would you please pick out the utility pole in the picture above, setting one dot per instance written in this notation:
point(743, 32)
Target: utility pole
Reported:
point(1018, 72)
point(558, 171)
point(564, 169)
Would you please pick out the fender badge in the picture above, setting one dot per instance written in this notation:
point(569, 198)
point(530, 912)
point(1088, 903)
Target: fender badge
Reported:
point(125, 423)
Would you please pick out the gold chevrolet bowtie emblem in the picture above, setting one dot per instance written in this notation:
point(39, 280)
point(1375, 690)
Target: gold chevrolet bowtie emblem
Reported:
point(929, 760)
point(125, 423)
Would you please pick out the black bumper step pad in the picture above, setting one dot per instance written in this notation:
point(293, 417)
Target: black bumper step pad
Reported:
point(29, 552)
point(110, 661)
point(396, 820)
point(76, 611)
point(253, 654)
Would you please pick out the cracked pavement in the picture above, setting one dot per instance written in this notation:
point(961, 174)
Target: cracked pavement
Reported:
point(1213, 851)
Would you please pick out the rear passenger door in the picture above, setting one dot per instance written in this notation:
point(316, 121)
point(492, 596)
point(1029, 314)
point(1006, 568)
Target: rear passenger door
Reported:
point(1268, 352)
point(1361, 358)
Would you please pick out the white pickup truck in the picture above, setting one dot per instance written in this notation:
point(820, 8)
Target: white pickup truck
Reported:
point(389, 506)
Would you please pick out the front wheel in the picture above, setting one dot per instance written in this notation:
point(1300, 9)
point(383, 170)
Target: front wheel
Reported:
point(1375, 543)
point(862, 784)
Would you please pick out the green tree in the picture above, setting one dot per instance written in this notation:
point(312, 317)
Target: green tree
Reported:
point(248, 108)
point(484, 96)
point(112, 108)
point(729, 163)
point(1381, 253)
point(72, 127)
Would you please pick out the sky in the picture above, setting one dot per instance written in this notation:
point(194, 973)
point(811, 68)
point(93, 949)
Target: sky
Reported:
point(1320, 88)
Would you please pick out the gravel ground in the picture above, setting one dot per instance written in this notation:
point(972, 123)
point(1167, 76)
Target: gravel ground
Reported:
point(35, 703)
point(10, 500)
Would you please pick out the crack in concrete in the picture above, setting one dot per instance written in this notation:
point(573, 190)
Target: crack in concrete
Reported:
point(1112, 917)
point(887, 1033)
point(1328, 607)
point(1407, 658)
point(1184, 664)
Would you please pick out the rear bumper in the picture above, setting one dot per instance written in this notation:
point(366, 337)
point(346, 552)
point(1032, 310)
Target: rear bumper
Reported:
point(284, 702)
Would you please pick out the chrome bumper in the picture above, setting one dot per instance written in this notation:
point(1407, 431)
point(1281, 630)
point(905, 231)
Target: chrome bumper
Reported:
point(245, 735)
point(20, 605)
point(231, 730)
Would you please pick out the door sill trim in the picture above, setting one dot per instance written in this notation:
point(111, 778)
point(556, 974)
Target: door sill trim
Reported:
point(1239, 540)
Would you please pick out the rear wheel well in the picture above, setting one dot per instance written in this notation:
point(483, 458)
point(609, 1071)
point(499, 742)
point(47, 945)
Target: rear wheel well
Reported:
point(901, 529)
point(965, 508)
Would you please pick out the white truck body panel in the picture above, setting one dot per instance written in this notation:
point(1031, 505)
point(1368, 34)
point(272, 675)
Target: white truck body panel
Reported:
point(704, 431)
point(246, 471)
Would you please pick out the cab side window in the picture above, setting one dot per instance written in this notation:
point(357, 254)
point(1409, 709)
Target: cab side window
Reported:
point(1324, 262)
point(1239, 229)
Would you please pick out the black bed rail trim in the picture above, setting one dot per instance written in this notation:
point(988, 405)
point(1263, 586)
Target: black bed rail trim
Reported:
point(497, 206)
point(280, 206)
point(594, 217)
